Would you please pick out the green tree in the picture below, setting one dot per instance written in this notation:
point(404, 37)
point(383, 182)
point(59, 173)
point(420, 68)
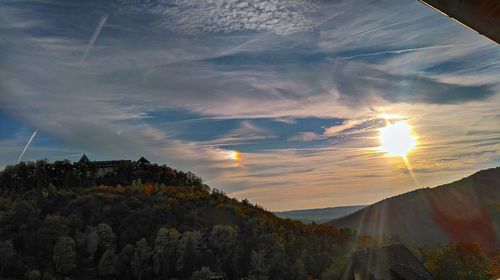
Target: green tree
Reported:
point(57, 224)
point(141, 261)
point(460, 261)
point(64, 255)
point(189, 252)
point(222, 241)
point(10, 265)
point(137, 185)
point(92, 242)
point(33, 275)
point(203, 274)
point(165, 252)
point(106, 236)
point(108, 263)
point(124, 261)
point(259, 269)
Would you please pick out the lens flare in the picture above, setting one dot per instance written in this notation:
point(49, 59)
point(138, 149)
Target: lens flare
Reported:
point(397, 139)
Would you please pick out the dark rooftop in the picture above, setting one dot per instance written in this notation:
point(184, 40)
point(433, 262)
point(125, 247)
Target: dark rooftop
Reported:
point(109, 163)
point(391, 262)
point(84, 159)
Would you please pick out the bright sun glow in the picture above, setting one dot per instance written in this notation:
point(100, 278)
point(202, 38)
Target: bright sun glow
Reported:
point(397, 139)
point(233, 155)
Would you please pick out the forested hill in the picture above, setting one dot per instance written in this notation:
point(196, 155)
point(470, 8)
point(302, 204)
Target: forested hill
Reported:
point(467, 210)
point(64, 174)
point(145, 221)
point(150, 222)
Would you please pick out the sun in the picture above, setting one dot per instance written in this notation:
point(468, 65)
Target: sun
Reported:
point(396, 139)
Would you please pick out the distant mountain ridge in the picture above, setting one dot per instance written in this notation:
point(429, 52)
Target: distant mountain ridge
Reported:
point(466, 210)
point(318, 215)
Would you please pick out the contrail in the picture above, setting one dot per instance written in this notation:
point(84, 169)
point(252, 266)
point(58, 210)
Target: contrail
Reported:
point(91, 43)
point(398, 51)
point(26, 146)
point(92, 40)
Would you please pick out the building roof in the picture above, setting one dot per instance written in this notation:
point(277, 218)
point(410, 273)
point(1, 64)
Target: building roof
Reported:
point(84, 159)
point(482, 16)
point(391, 262)
point(109, 163)
point(142, 160)
point(102, 163)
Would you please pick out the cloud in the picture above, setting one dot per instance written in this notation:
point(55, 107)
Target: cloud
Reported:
point(305, 136)
point(401, 51)
point(93, 39)
point(372, 84)
point(241, 63)
point(346, 125)
point(190, 16)
point(246, 133)
point(247, 130)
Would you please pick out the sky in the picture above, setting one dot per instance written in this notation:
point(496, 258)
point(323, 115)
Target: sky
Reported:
point(277, 101)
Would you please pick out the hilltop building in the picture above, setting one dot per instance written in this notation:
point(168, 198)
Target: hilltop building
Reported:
point(106, 166)
point(390, 262)
point(143, 161)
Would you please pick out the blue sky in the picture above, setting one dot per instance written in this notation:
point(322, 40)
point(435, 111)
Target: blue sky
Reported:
point(299, 88)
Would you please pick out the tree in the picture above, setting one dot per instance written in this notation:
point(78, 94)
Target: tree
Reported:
point(57, 224)
point(92, 242)
point(108, 263)
point(189, 252)
point(137, 185)
point(222, 240)
point(64, 255)
point(140, 262)
point(258, 267)
point(33, 275)
point(203, 274)
point(106, 236)
point(460, 261)
point(336, 269)
point(165, 252)
point(10, 265)
point(124, 261)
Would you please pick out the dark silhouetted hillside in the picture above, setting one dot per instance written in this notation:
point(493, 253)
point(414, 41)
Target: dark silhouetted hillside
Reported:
point(318, 215)
point(147, 221)
point(467, 210)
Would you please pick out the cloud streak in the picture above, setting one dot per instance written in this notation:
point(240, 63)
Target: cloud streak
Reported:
point(93, 39)
point(182, 82)
point(26, 146)
point(398, 51)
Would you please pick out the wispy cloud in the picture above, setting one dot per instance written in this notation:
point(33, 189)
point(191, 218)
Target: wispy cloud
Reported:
point(338, 63)
point(93, 39)
point(187, 16)
point(401, 51)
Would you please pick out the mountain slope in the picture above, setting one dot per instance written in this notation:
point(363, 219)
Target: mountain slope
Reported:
point(465, 210)
point(147, 221)
point(318, 215)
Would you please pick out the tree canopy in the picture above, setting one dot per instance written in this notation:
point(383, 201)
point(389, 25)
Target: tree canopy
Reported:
point(153, 222)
